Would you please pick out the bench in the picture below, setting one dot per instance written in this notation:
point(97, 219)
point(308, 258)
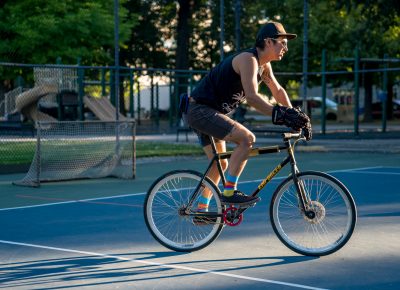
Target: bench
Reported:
point(184, 130)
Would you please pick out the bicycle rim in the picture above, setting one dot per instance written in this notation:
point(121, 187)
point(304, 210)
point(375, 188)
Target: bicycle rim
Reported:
point(334, 221)
point(163, 212)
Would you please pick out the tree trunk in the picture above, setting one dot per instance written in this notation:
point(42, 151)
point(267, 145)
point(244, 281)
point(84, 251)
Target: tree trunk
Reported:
point(183, 33)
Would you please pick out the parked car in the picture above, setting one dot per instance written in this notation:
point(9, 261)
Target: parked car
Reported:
point(314, 107)
point(377, 109)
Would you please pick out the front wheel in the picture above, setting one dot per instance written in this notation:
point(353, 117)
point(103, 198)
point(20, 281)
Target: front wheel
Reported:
point(329, 223)
point(168, 215)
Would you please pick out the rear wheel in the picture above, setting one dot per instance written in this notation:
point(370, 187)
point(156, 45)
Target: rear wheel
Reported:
point(167, 217)
point(329, 223)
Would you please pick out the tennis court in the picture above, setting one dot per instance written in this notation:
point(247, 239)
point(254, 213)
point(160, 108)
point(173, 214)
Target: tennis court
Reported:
point(91, 233)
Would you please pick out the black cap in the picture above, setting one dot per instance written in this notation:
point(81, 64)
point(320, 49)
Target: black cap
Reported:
point(273, 30)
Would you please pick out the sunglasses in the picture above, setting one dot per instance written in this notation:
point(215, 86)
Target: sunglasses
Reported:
point(283, 42)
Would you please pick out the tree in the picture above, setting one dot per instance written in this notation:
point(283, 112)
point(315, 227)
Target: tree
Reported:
point(40, 31)
point(371, 26)
point(149, 40)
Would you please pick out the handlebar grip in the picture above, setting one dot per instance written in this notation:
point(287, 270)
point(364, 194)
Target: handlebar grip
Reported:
point(287, 136)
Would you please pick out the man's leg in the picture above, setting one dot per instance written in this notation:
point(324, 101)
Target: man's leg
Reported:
point(244, 139)
point(210, 122)
point(213, 174)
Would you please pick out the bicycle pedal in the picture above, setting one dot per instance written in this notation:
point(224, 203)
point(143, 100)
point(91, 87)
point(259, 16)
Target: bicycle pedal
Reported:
point(248, 205)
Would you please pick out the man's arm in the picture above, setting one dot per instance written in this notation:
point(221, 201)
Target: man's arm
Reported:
point(247, 67)
point(245, 64)
point(278, 92)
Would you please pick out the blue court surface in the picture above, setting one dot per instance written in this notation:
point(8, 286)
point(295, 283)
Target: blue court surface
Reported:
point(101, 242)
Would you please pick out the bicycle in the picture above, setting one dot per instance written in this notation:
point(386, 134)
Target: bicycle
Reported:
point(311, 212)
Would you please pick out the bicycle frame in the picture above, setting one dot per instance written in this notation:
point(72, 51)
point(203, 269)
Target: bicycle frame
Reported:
point(288, 146)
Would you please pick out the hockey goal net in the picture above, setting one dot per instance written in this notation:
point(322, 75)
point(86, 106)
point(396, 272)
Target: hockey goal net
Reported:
point(77, 150)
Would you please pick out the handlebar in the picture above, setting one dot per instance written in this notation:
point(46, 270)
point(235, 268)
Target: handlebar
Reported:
point(286, 133)
point(292, 135)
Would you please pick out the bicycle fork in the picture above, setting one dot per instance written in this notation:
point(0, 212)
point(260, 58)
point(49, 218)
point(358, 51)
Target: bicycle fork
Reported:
point(302, 195)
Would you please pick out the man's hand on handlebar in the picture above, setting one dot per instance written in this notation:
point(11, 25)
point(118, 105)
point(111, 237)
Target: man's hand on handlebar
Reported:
point(293, 118)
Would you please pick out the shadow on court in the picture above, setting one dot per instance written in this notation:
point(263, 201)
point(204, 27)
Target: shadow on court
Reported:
point(101, 271)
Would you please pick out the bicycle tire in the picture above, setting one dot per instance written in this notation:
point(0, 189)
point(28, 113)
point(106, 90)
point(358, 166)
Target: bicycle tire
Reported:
point(333, 224)
point(174, 230)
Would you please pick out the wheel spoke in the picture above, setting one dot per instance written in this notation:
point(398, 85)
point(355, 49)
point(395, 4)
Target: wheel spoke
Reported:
point(165, 215)
point(331, 223)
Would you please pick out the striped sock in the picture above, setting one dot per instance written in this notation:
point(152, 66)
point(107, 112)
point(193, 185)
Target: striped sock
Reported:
point(230, 185)
point(203, 203)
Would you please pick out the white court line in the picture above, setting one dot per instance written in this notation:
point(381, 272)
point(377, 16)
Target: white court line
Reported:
point(143, 193)
point(191, 269)
point(73, 201)
point(376, 172)
point(355, 169)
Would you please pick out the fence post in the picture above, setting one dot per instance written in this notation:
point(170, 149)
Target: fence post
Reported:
point(81, 93)
point(138, 103)
point(157, 109)
point(151, 95)
point(112, 86)
point(323, 85)
point(170, 117)
point(356, 89)
point(385, 91)
point(103, 82)
point(60, 111)
point(131, 97)
point(176, 97)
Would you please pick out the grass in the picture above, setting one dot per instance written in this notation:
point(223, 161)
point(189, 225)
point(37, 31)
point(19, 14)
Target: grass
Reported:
point(15, 153)
point(158, 149)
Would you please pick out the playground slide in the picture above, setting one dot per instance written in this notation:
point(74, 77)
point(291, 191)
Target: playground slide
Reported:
point(26, 103)
point(102, 108)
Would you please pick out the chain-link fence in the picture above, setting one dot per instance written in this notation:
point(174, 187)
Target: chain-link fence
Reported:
point(150, 98)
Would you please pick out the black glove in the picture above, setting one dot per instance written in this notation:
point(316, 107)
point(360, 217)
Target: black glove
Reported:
point(291, 117)
point(307, 131)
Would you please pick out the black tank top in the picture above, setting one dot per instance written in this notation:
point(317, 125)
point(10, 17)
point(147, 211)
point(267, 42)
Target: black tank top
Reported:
point(222, 88)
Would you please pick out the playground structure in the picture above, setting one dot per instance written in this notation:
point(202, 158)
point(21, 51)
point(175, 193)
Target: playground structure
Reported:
point(102, 108)
point(57, 88)
point(27, 102)
point(90, 94)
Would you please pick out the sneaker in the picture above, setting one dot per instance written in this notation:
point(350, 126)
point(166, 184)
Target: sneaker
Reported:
point(240, 198)
point(202, 220)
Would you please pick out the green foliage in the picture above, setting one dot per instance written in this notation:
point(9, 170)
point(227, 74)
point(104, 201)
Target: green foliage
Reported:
point(39, 31)
point(154, 149)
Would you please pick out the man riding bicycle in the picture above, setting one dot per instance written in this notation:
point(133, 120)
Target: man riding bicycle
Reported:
point(231, 82)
